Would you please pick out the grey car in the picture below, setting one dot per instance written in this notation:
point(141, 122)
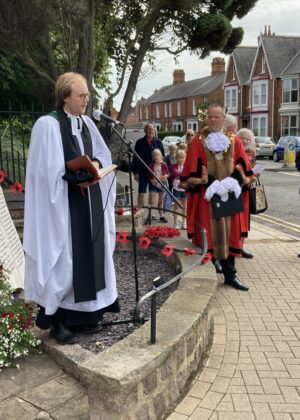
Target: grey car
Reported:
point(264, 146)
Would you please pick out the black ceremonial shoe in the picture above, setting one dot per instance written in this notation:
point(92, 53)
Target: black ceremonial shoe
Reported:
point(86, 329)
point(218, 266)
point(246, 254)
point(237, 284)
point(62, 335)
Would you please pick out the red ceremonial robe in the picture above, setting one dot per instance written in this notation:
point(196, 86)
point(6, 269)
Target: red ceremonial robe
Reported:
point(224, 235)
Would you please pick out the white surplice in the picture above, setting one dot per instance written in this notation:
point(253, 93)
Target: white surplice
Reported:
point(47, 224)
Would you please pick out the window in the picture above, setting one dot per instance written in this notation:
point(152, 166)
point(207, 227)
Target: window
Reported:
point(141, 113)
point(170, 109)
point(231, 99)
point(290, 90)
point(177, 127)
point(259, 93)
point(166, 110)
point(179, 109)
point(233, 73)
point(192, 125)
point(147, 113)
point(194, 107)
point(289, 125)
point(259, 125)
point(263, 64)
point(157, 111)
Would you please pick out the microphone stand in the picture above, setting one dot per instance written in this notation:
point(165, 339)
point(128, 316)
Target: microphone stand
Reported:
point(131, 152)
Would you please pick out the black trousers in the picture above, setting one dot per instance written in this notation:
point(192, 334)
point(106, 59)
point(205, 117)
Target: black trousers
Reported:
point(228, 267)
point(73, 318)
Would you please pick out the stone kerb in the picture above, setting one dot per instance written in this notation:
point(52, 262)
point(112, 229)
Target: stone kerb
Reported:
point(136, 380)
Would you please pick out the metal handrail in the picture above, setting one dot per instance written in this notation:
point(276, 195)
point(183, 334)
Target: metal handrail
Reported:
point(156, 289)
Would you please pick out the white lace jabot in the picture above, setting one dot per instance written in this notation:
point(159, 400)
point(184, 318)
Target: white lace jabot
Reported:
point(217, 142)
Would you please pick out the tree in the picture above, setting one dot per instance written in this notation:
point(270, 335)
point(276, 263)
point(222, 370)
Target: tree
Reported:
point(145, 27)
point(48, 38)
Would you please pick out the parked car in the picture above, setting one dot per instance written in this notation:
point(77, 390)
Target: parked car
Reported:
point(170, 140)
point(278, 153)
point(264, 146)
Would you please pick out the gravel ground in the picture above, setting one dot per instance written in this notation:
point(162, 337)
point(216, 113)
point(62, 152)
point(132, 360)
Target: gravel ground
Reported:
point(149, 266)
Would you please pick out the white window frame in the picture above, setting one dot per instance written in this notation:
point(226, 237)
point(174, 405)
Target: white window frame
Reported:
point(289, 129)
point(141, 113)
point(147, 113)
point(157, 111)
point(233, 73)
point(157, 127)
point(178, 108)
point(194, 111)
point(259, 124)
point(288, 91)
point(177, 126)
point(166, 110)
point(231, 99)
point(259, 96)
point(263, 64)
point(192, 125)
point(170, 109)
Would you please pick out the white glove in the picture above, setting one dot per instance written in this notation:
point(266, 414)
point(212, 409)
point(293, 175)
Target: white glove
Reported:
point(211, 190)
point(228, 185)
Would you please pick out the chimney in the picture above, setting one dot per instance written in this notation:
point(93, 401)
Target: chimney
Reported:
point(178, 76)
point(217, 66)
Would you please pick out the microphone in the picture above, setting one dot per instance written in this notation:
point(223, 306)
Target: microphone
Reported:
point(98, 115)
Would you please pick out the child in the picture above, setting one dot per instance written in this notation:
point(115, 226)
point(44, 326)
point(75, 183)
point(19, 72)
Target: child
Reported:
point(171, 160)
point(178, 192)
point(182, 146)
point(160, 168)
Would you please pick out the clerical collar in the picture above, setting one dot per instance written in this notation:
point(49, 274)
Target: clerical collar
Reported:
point(76, 122)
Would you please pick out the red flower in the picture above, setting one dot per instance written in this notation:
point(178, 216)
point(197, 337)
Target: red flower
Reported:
point(11, 315)
point(167, 250)
point(2, 176)
point(188, 251)
point(122, 237)
point(16, 187)
point(10, 326)
point(207, 258)
point(1, 267)
point(135, 209)
point(144, 242)
point(120, 211)
point(4, 315)
point(161, 232)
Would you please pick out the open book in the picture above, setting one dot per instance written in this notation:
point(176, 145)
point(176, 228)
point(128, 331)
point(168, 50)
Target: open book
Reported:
point(84, 162)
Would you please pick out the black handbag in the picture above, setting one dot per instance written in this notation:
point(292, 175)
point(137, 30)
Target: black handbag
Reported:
point(227, 208)
point(257, 198)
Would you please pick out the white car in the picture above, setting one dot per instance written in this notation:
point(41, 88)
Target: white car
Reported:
point(170, 140)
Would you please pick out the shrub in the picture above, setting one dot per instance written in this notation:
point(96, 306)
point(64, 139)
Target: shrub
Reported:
point(15, 321)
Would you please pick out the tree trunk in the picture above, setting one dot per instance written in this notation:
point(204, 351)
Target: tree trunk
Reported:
point(114, 141)
point(85, 64)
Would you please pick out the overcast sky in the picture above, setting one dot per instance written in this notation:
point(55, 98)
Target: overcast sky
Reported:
point(282, 15)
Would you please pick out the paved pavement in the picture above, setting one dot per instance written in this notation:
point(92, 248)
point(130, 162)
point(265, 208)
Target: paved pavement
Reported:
point(40, 390)
point(253, 368)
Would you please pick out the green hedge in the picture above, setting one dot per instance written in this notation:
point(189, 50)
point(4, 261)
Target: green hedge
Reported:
point(162, 134)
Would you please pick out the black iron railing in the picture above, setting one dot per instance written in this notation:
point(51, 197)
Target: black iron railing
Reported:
point(15, 131)
point(159, 285)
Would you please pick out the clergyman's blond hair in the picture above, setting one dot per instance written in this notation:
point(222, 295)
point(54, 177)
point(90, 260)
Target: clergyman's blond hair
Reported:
point(63, 86)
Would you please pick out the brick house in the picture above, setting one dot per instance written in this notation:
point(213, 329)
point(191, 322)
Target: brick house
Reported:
point(174, 107)
point(266, 98)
